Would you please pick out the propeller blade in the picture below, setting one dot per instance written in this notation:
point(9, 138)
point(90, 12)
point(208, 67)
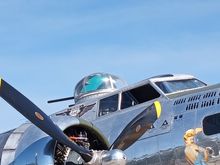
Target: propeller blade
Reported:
point(39, 118)
point(137, 127)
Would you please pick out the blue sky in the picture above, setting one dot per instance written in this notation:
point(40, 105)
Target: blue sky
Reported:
point(46, 47)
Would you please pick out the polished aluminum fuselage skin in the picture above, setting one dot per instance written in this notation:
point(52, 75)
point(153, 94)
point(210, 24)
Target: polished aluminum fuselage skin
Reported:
point(162, 145)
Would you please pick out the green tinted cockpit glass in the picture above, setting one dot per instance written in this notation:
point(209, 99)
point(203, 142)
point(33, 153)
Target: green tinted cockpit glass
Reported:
point(95, 82)
point(98, 82)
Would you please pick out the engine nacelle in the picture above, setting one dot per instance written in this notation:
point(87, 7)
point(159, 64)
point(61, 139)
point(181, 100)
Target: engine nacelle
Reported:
point(29, 145)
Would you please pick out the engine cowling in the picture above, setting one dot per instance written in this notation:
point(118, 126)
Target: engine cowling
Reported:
point(35, 147)
point(85, 135)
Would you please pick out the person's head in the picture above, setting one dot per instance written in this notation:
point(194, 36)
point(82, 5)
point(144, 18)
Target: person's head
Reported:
point(189, 136)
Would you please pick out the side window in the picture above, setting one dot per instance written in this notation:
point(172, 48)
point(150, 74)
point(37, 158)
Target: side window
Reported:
point(127, 100)
point(108, 105)
point(211, 124)
point(138, 95)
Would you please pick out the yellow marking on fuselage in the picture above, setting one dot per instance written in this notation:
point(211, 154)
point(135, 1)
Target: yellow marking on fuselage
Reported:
point(0, 82)
point(158, 108)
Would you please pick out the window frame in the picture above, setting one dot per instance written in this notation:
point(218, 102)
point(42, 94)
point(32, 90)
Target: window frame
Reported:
point(99, 105)
point(209, 128)
point(120, 95)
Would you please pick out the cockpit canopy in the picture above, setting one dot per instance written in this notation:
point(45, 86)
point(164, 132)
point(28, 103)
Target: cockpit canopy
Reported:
point(177, 83)
point(96, 84)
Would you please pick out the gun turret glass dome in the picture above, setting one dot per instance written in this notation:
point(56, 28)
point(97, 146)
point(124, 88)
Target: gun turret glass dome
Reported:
point(97, 83)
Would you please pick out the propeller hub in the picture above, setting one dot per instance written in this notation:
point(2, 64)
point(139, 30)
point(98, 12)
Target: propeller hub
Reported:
point(112, 157)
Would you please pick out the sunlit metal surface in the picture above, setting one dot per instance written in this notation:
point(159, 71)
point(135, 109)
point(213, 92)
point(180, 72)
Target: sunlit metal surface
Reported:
point(114, 157)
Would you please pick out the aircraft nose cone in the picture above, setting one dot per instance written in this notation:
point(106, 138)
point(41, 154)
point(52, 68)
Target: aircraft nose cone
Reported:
point(114, 157)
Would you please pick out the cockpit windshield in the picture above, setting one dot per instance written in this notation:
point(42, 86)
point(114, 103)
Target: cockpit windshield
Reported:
point(179, 85)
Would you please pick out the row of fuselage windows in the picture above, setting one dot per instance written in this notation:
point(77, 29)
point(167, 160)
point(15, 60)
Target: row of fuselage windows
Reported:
point(128, 98)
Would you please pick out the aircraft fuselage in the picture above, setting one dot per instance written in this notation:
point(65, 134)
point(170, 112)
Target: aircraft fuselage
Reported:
point(186, 132)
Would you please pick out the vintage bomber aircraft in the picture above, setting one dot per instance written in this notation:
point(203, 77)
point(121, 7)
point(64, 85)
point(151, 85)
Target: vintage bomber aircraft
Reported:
point(163, 120)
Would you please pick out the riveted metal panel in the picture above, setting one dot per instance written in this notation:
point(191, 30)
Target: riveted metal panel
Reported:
point(3, 140)
point(12, 143)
